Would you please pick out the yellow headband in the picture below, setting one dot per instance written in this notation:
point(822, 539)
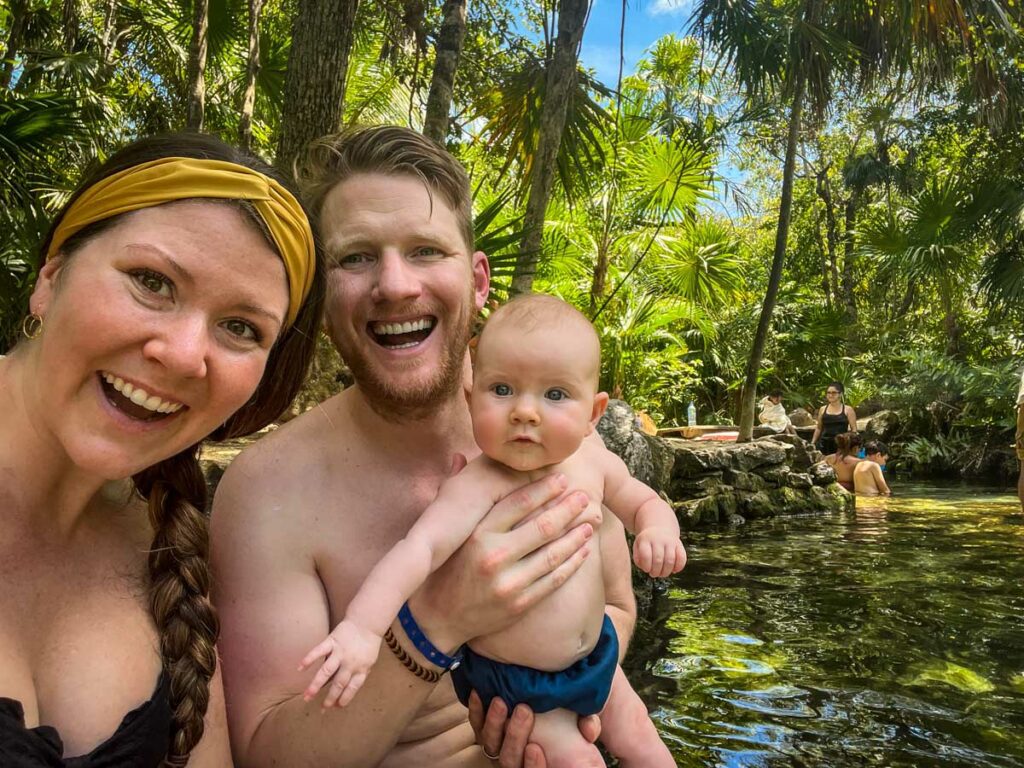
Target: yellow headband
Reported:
point(183, 178)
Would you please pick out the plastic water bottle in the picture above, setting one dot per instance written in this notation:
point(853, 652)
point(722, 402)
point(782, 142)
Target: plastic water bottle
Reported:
point(691, 415)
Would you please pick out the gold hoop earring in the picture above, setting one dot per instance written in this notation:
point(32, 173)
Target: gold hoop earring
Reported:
point(32, 326)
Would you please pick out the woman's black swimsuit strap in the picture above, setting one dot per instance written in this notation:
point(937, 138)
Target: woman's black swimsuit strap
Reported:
point(140, 741)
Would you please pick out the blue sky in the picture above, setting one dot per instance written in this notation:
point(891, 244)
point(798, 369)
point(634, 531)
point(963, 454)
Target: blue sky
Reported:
point(646, 21)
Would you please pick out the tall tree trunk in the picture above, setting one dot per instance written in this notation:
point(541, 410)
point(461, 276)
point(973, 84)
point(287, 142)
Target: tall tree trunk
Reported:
point(197, 66)
point(824, 189)
point(826, 283)
point(446, 61)
point(69, 17)
point(109, 31)
point(559, 83)
point(749, 394)
point(597, 285)
point(252, 69)
point(314, 88)
point(19, 16)
point(850, 259)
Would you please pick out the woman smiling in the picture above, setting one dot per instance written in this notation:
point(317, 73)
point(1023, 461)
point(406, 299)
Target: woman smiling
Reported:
point(178, 299)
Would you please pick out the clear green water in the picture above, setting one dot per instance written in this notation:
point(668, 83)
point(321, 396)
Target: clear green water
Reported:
point(889, 637)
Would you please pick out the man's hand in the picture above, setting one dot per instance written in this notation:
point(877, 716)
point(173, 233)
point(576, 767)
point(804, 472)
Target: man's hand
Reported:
point(350, 650)
point(658, 552)
point(506, 566)
point(509, 738)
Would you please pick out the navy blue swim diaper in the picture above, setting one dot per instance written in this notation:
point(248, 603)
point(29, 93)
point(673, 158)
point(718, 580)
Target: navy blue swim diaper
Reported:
point(582, 688)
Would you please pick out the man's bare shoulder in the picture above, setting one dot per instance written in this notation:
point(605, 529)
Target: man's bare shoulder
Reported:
point(288, 468)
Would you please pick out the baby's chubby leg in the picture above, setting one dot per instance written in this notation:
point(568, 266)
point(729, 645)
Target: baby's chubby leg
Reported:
point(627, 731)
point(558, 734)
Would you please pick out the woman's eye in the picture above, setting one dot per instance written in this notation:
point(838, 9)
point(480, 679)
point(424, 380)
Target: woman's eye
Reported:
point(556, 394)
point(153, 282)
point(242, 330)
point(502, 390)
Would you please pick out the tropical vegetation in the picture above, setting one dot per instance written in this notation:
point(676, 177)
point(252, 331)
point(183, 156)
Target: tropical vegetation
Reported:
point(781, 193)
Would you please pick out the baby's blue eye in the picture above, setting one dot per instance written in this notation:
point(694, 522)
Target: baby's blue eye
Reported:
point(502, 390)
point(556, 394)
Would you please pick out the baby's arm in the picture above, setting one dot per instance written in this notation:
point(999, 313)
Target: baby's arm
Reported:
point(657, 549)
point(352, 647)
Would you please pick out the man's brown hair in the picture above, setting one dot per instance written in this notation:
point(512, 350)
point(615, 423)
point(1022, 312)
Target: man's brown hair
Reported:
point(389, 150)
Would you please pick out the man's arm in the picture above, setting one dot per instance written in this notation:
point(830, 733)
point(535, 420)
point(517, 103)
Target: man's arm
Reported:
point(352, 648)
point(273, 608)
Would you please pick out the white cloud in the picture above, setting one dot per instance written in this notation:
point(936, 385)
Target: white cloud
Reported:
point(668, 7)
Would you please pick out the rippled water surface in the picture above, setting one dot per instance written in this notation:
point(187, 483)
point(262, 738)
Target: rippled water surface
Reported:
point(889, 637)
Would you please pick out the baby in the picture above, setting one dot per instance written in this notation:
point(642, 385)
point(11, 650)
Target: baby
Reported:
point(533, 403)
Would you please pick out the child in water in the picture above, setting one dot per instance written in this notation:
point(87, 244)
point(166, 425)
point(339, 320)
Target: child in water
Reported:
point(533, 403)
point(867, 475)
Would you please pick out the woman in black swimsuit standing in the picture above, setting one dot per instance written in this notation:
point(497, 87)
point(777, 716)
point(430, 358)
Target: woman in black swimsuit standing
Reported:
point(179, 297)
point(834, 418)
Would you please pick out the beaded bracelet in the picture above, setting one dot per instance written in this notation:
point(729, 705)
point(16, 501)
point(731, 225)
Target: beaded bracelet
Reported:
point(408, 661)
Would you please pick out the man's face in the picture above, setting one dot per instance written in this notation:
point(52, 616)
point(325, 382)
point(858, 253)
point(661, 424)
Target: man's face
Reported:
point(775, 399)
point(403, 291)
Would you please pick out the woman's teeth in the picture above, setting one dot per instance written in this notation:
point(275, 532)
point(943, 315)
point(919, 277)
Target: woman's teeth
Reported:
point(140, 396)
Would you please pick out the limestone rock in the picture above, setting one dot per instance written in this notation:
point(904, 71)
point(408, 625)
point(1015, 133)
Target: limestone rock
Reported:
point(884, 426)
point(799, 480)
point(803, 454)
point(744, 481)
point(750, 456)
point(801, 418)
point(822, 474)
point(648, 458)
point(698, 485)
point(758, 505)
point(775, 476)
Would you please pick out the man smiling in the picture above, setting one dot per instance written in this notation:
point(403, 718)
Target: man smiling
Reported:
point(302, 517)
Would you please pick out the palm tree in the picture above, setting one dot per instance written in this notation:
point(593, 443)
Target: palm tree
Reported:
point(197, 65)
point(446, 62)
point(314, 93)
point(795, 51)
point(560, 79)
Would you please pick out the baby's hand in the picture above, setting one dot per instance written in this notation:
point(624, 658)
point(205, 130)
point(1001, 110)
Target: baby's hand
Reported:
point(659, 552)
point(350, 651)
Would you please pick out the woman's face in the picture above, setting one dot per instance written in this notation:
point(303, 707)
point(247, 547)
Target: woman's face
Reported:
point(832, 394)
point(154, 332)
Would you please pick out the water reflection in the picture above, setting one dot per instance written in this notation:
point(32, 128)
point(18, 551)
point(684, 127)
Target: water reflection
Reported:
point(891, 636)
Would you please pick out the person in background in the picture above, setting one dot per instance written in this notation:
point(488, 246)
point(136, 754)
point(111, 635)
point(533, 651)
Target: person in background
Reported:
point(178, 299)
point(773, 413)
point(845, 459)
point(834, 418)
point(1019, 440)
point(867, 475)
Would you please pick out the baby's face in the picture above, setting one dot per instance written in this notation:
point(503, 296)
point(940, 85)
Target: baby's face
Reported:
point(534, 396)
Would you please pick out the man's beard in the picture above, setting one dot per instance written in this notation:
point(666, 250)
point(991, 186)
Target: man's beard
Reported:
point(419, 398)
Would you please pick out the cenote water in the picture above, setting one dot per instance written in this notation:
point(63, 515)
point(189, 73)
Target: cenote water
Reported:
point(893, 636)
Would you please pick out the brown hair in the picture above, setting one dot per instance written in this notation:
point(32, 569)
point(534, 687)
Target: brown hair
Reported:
point(175, 489)
point(846, 444)
point(389, 150)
